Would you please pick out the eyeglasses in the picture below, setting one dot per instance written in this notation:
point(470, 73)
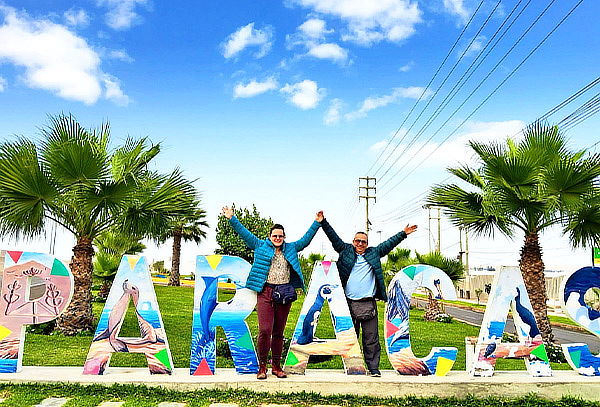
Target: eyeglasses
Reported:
point(360, 241)
point(277, 236)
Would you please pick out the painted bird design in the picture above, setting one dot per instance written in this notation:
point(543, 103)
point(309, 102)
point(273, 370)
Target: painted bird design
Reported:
point(309, 325)
point(527, 316)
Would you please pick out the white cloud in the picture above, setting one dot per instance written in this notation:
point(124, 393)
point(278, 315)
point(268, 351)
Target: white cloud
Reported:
point(76, 18)
point(113, 90)
point(407, 67)
point(120, 54)
point(371, 21)
point(305, 94)
point(328, 51)
point(122, 13)
point(456, 149)
point(310, 35)
point(332, 116)
point(314, 28)
point(457, 8)
point(375, 102)
point(247, 36)
point(54, 59)
point(2, 84)
point(254, 88)
point(475, 46)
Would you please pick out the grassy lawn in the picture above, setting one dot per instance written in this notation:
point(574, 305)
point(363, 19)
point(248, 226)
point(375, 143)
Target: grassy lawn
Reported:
point(141, 396)
point(176, 308)
point(481, 307)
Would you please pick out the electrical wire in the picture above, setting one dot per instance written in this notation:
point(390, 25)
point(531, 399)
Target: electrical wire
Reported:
point(463, 79)
point(437, 90)
point(425, 90)
point(493, 91)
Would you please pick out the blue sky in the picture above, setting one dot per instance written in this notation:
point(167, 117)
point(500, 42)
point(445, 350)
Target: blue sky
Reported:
point(285, 104)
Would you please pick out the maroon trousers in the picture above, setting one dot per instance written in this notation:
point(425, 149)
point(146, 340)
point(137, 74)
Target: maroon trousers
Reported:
point(272, 318)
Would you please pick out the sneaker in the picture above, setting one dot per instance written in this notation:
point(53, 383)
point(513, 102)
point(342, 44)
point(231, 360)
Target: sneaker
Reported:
point(374, 373)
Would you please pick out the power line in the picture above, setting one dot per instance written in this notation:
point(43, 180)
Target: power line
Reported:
point(492, 93)
point(424, 91)
point(479, 85)
point(436, 92)
point(463, 80)
point(588, 109)
point(407, 205)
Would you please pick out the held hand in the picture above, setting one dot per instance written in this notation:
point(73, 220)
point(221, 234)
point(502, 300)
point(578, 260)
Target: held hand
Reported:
point(409, 229)
point(227, 212)
point(320, 217)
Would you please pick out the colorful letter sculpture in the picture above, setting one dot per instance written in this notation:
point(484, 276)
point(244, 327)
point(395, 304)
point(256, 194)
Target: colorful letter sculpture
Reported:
point(325, 285)
point(574, 288)
point(132, 282)
point(396, 328)
point(508, 292)
point(230, 315)
point(36, 288)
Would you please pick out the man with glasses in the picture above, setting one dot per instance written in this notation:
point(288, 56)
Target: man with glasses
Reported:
point(361, 274)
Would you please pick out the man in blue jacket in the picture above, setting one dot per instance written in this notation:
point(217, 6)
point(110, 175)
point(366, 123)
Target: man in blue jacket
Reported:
point(361, 274)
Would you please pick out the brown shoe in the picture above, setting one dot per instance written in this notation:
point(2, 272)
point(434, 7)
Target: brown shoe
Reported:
point(262, 371)
point(277, 371)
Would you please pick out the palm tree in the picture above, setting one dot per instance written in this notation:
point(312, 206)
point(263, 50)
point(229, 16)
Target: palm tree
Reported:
point(111, 245)
point(186, 228)
point(452, 267)
point(75, 179)
point(307, 264)
point(528, 185)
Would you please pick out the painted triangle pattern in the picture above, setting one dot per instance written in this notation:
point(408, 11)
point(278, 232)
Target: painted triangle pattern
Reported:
point(15, 256)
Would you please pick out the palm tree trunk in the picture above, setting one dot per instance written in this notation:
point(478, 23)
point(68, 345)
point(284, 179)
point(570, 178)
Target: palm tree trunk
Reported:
point(174, 277)
point(433, 308)
point(105, 288)
point(78, 316)
point(532, 270)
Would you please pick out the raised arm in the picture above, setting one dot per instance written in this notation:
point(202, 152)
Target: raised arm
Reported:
point(310, 233)
point(337, 243)
point(247, 236)
point(385, 247)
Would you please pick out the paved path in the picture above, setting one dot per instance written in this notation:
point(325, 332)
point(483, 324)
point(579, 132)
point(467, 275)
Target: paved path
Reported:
point(561, 334)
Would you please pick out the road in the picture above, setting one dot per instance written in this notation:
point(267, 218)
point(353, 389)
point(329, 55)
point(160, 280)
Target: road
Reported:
point(562, 335)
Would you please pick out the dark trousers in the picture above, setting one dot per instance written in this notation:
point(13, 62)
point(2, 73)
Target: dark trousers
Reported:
point(272, 318)
point(370, 339)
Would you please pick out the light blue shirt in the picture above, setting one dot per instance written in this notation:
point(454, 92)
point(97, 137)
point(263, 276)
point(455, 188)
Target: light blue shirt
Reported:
point(361, 283)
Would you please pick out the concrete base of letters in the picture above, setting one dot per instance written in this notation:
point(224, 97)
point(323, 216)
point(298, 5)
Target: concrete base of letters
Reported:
point(390, 384)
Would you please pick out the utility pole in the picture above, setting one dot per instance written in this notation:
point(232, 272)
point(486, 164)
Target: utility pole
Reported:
point(367, 195)
point(438, 246)
point(466, 251)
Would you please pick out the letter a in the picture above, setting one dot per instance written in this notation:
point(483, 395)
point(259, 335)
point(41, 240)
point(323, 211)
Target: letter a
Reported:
point(132, 282)
point(325, 285)
point(36, 288)
point(396, 329)
point(574, 288)
point(230, 315)
point(508, 292)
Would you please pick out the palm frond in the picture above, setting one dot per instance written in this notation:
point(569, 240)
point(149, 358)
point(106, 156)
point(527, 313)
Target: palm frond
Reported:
point(468, 209)
point(469, 175)
point(583, 227)
point(25, 189)
point(73, 155)
point(130, 161)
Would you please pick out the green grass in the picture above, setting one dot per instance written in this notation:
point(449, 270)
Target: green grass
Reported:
point(176, 309)
point(141, 396)
point(481, 307)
